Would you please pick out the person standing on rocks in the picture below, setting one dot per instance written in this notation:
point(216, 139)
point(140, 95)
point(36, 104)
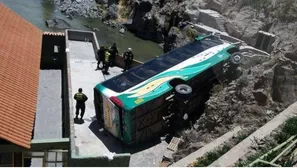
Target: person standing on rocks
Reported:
point(80, 98)
point(101, 57)
point(113, 53)
point(128, 57)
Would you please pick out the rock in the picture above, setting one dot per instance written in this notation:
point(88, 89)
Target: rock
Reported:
point(284, 88)
point(145, 23)
point(122, 30)
point(196, 145)
point(101, 1)
point(75, 8)
point(260, 96)
point(112, 13)
point(57, 23)
point(95, 29)
point(215, 5)
point(192, 10)
point(178, 37)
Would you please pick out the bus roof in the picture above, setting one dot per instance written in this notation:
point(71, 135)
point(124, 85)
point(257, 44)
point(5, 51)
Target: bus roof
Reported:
point(157, 65)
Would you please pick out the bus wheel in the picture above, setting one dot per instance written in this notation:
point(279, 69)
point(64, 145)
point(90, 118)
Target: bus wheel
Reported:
point(236, 58)
point(183, 91)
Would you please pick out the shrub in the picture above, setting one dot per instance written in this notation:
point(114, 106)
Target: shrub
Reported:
point(290, 127)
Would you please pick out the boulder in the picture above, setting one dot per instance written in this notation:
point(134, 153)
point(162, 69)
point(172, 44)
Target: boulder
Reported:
point(260, 96)
point(216, 5)
point(284, 85)
point(112, 12)
point(57, 23)
point(241, 26)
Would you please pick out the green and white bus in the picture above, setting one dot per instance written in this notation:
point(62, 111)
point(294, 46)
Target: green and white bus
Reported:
point(131, 105)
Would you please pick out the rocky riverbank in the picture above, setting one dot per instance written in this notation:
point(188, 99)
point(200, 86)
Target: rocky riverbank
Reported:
point(265, 85)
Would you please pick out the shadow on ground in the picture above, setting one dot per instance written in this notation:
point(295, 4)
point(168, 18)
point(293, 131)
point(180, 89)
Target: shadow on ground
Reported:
point(115, 145)
point(78, 121)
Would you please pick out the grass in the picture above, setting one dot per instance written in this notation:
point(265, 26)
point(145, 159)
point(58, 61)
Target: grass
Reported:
point(212, 156)
point(288, 129)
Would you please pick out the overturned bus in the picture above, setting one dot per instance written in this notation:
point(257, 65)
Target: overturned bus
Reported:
point(131, 105)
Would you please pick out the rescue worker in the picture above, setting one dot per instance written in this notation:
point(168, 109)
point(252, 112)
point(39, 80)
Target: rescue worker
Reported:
point(107, 62)
point(113, 53)
point(80, 103)
point(128, 57)
point(101, 57)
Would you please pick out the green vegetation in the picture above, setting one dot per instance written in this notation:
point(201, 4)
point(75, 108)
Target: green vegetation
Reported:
point(124, 9)
point(191, 33)
point(212, 156)
point(288, 129)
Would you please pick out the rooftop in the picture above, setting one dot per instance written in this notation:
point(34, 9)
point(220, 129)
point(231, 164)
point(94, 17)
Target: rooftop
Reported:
point(20, 52)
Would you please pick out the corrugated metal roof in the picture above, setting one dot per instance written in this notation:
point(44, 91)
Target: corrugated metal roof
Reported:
point(20, 52)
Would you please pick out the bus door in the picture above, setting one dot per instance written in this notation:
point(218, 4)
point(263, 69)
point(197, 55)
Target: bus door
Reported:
point(112, 117)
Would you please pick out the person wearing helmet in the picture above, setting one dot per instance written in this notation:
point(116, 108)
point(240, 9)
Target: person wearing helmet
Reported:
point(80, 103)
point(128, 58)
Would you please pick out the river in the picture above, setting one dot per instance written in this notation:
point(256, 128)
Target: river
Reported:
point(37, 11)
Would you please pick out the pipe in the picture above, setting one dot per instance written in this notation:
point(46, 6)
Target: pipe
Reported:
point(284, 151)
point(272, 150)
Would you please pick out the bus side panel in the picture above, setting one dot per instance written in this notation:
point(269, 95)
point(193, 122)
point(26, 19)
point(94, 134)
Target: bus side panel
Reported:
point(146, 120)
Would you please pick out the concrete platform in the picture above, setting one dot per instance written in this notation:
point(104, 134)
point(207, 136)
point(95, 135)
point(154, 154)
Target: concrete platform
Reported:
point(88, 140)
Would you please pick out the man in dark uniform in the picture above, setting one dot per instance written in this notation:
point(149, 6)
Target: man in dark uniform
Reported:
point(80, 103)
point(101, 57)
point(113, 53)
point(128, 57)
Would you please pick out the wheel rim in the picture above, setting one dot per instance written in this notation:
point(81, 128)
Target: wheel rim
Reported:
point(236, 58)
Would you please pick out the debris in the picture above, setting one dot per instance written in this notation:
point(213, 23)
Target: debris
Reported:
point(174, 144)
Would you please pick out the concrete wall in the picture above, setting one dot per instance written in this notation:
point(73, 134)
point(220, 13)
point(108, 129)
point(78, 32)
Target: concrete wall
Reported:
point(78, 35)
point(119, 160)
point(48, 43)
point(119, 60)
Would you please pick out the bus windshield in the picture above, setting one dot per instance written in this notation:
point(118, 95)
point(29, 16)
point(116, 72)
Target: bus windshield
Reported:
point(157, 65)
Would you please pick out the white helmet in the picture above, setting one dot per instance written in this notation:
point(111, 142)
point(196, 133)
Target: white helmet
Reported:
point(130, 49)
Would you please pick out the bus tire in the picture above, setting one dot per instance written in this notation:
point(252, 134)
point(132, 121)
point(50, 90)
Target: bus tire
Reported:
point(236, 58)
point(183, 91)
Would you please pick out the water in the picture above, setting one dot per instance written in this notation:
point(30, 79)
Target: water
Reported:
point(37, 11)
